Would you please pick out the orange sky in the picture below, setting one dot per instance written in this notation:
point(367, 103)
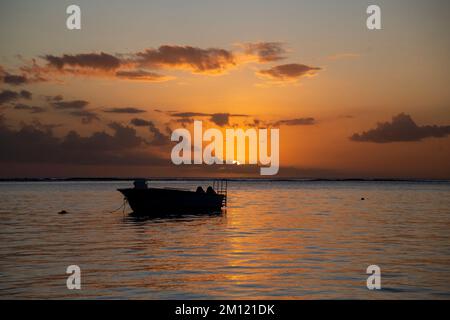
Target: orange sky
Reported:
point(313, 70)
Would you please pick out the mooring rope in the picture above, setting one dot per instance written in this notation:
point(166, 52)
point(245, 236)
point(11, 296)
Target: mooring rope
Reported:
point(122, 206)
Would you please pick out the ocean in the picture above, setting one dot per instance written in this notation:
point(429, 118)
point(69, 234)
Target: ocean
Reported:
point(276, 240)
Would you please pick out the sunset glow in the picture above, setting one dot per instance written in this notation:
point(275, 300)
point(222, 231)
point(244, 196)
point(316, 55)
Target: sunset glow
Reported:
point(127, 89)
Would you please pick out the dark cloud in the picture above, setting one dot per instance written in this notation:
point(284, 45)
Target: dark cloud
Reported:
point(141, 75)
point(220, 119)
point(190, 114)
point(295, 122)
point(132, 65)
point(98, 61)
point(75, 108)
point(37, 144)
point(25, 94)
point(184, 121)
point(130, 110)
point(43, 126)
point(159, 138)
point(256, 122)
point(54, 98)
point(198, 60)
point(169, 112)
point(14, 79)
point(401, 128)
point(265, 51)
point(71, 105)
point(9, 95)
point(137, 122)
point(33, 72)
point(288, 72)
point(32, 109)
point(140, 66)
point(86, 116)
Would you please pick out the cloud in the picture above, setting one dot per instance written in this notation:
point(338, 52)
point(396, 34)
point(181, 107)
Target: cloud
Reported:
point(75, 108)
point(9, 95)
point(54, 98)
point(295, 122)
point(223, 119)
point(73, 104)
point(32, 109)
point(15, 79)
point(159, 138)
point(25, 94)
point(190, 114)
point(129, 110)
point(86, 116)
point(169, 112)
point(144, 65)
point(220, 119)
point(142, 75)
point(402, 128)
point(288, 72)
point(265, 51)
point(141, 65)
point(195, 59)
point(34, 143)
point(131, 66)
point(97, 61)
point(184, 121)
point(138, 122)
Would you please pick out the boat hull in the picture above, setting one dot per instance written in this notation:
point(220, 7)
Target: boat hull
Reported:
point(157, 201)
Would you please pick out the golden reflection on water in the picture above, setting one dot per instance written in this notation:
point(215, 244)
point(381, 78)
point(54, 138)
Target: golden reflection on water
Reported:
point(278, 240)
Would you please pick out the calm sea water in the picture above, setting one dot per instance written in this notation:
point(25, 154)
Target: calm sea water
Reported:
point(277, 240)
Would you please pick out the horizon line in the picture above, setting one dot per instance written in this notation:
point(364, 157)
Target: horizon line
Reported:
point(280, 179)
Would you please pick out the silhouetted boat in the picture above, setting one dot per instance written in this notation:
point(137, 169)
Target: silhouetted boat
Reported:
point(155, 201)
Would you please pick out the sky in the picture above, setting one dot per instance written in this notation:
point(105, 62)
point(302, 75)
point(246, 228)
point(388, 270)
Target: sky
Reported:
point(102, 101)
